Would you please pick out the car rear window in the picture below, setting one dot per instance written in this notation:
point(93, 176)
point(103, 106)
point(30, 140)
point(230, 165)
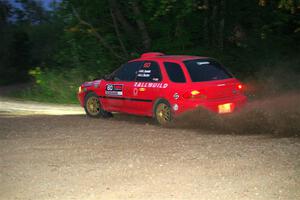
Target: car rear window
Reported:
point(175, 72)
point(206, 70)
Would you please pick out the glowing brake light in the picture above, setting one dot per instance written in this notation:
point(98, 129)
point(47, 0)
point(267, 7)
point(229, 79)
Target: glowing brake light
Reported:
point(240, 86)
point(194, 94)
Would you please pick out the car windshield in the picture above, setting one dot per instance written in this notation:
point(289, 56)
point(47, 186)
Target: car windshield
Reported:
point(206, 70)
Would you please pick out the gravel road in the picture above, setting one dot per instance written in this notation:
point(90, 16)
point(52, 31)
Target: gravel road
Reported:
point(68, 156)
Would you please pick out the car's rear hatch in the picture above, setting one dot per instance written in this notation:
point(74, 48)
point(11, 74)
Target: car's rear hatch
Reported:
point(217, 89)
point(211, 79)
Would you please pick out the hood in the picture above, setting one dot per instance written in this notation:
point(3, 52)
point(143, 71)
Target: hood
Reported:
point(91, 83)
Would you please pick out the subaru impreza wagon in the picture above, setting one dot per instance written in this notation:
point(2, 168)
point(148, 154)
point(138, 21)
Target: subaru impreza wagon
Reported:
point(163, 86)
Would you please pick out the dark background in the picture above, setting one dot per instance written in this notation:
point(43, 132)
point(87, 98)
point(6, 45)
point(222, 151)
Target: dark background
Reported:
point(56, 45)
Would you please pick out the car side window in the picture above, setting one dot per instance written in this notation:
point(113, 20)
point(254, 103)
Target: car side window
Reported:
point(128, 71)
point(149, 72)
point(175, 72)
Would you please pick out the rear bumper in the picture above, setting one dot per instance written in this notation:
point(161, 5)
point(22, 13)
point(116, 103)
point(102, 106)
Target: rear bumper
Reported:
point(212, 105)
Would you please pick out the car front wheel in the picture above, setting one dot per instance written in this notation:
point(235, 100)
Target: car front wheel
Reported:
point(93, 108)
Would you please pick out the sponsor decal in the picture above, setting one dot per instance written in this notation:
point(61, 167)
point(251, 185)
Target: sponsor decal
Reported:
point(144, 73)
point(109, 87)
point(150, 85)
point(118, 87)
point(135, 91)
point(114, 90)
point(203, 63)
point(147, 64)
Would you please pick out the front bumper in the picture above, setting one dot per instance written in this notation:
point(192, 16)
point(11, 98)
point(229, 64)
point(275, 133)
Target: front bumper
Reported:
point(80, 97)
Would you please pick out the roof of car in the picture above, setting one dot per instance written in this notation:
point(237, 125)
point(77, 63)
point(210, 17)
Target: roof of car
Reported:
point(179, 57)
point(161, 56)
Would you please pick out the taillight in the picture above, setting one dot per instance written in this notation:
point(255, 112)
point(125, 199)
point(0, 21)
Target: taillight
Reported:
point(194, 94)
point(240, 86)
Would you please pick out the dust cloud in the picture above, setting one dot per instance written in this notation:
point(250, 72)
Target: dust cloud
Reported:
point(274, 115)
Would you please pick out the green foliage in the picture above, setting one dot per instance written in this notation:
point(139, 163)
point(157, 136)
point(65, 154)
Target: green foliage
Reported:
point(55, 86)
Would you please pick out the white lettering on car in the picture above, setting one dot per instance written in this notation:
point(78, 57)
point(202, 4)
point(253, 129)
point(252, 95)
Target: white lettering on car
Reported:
point(144, 71)
point(151, 85)
point(143, 75)
point(203, 63)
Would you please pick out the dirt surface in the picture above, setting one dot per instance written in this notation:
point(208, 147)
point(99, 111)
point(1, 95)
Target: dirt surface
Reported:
point(126, 157)
point(18, 107)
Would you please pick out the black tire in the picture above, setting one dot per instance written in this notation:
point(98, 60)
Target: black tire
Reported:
point(163, 112)
point(93, 108)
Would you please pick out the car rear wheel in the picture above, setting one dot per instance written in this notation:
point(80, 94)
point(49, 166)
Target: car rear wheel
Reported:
point(93, 108)
point(162, 112)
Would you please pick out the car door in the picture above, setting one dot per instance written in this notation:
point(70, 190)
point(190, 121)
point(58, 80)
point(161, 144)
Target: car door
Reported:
point(145, 89)
point(117, 88)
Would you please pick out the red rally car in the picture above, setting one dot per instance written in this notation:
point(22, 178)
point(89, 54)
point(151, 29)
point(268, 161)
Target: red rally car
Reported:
point(163, 86)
